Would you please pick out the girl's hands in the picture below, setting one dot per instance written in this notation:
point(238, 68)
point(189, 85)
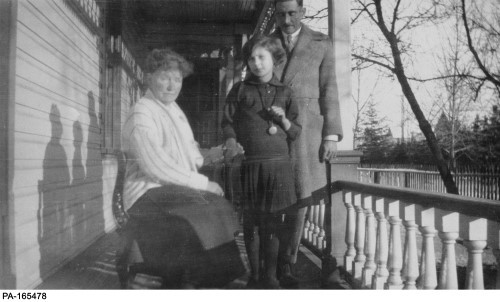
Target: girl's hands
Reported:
point(230, 149)
point(279, 113)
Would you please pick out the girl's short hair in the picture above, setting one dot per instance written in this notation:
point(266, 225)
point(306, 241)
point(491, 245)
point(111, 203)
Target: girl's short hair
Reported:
point(167, 59)
point(273, 45)
point(299, 2)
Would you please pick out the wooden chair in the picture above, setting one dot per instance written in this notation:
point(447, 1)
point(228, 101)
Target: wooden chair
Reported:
point(133, 273)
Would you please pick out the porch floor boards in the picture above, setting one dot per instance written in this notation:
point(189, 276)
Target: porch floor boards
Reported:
point(95, 268)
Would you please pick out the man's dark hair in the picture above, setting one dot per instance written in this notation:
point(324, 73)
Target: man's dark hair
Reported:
point(273, 45)
point(299, 2)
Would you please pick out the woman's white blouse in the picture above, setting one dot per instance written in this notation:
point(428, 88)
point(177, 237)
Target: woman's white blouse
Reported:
point(160, 149)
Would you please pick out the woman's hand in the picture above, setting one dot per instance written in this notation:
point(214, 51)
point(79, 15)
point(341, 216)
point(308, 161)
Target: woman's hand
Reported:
point(280, 114)
point(231, 149)
point(215, 188)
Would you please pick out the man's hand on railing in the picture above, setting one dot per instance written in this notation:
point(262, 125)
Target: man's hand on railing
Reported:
point(327, 151)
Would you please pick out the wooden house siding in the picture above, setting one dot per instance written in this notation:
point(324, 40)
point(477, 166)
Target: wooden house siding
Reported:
point(61, 186)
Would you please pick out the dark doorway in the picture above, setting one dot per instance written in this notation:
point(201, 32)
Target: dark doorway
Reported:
point(200, 101)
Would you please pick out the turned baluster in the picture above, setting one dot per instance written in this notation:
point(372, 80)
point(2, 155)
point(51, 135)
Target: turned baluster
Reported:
point(370, 243)
point(449, 234)
point(359, 260)
point(475, 263)
point(428, 274)
point(321, 236)
point(312, 225)
point(382, 246)
point(315, 232)
point(307, 224)
point(410, 270)
point(395, 251)
point(475, 244)
point(448, 278)
point(350, 233)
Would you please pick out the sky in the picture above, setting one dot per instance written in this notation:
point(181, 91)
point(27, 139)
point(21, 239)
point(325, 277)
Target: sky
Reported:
point(427, 44)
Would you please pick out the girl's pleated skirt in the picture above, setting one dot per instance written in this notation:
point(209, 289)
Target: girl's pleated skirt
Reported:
point(268, 184)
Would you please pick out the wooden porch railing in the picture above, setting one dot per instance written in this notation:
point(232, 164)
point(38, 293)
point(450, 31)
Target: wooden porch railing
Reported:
point(399, 238)
point(482, 182)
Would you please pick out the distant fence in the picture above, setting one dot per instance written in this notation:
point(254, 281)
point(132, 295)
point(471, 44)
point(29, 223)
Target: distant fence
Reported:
point(473, 181)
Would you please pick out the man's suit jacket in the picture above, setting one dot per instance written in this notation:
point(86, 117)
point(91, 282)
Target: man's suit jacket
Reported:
point(310, 71)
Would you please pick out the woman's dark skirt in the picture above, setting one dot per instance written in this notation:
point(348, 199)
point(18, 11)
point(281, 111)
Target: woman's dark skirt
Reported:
point(187, 235)
point(268, 184)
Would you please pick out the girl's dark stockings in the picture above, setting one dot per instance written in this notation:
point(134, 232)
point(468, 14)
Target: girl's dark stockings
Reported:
point(260, 230)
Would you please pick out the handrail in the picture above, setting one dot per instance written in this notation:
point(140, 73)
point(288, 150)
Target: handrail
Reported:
point(400, 170)
point(375, 230)
point(480, 207)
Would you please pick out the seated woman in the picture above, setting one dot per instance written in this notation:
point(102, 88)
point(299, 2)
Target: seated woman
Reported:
point(183, 226)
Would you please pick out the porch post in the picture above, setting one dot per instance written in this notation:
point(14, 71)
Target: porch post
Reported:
point(343, 168)
point(112, 105)
point(339, 30)
point(238, 63)
point(8, 43)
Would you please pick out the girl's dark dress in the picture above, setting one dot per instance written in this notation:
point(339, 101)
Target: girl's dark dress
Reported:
point(266, 173)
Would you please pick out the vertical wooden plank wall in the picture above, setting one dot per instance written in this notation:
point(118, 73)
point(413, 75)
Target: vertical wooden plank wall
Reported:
point(8, 16)
point(58, 182)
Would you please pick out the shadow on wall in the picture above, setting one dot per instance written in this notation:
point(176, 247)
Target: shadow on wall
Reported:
point(70, 214)
point(93, 187)
point(53, 197)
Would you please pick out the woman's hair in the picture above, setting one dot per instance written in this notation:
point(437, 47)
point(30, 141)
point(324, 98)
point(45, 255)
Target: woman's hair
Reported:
point(167, 59)
point(273, 45)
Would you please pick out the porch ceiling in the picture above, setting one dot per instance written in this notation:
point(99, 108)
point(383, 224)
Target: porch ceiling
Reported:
point(198, 11)
point(195, 26)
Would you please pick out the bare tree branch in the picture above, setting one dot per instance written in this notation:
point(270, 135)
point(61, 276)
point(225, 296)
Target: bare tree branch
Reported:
point(424, 125)
point(358, 15)
point(316, 15)
point(365, 9)
point(472, 49)
point(414, 21)
point(478, 89)
point(395, 16)
point(373, 62)
point(459, 75)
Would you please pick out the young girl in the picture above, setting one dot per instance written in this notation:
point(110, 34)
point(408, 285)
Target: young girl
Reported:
point(261, 115)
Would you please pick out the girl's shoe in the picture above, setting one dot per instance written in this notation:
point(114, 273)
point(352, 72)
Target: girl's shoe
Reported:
point(287, 280)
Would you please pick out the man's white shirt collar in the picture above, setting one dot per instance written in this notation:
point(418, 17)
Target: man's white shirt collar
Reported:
point(295, 35)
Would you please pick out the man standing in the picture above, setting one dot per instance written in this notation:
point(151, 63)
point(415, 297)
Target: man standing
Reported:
point(310, 71)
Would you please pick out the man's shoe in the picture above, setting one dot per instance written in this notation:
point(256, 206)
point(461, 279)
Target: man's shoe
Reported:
point(253, 284)
point(287, 280)
point(271, 283)
point(337, 280)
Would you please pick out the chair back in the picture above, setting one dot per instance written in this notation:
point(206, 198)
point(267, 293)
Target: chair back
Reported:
point(119, 213)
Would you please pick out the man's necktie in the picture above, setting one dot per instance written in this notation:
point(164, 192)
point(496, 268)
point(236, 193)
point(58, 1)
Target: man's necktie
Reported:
point(289, 43)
